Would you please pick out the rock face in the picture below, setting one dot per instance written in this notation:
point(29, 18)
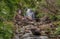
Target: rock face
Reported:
point(24, 28)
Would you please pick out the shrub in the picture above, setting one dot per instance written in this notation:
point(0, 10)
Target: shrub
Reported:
point(6, 31)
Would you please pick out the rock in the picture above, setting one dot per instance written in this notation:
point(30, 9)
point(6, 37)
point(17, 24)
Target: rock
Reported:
point(44, 37)
point(26, 35)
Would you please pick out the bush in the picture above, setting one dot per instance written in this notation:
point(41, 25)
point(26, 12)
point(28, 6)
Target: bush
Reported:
point(57, 31)
point(6, 31)
point(58, 17)
point(53, 17)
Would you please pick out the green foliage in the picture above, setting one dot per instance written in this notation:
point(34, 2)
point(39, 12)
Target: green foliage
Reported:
point(57, 32)
point(6, 31)
point(40, 15)
point(58, 17)
point(53, 17)
point(8, 8)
